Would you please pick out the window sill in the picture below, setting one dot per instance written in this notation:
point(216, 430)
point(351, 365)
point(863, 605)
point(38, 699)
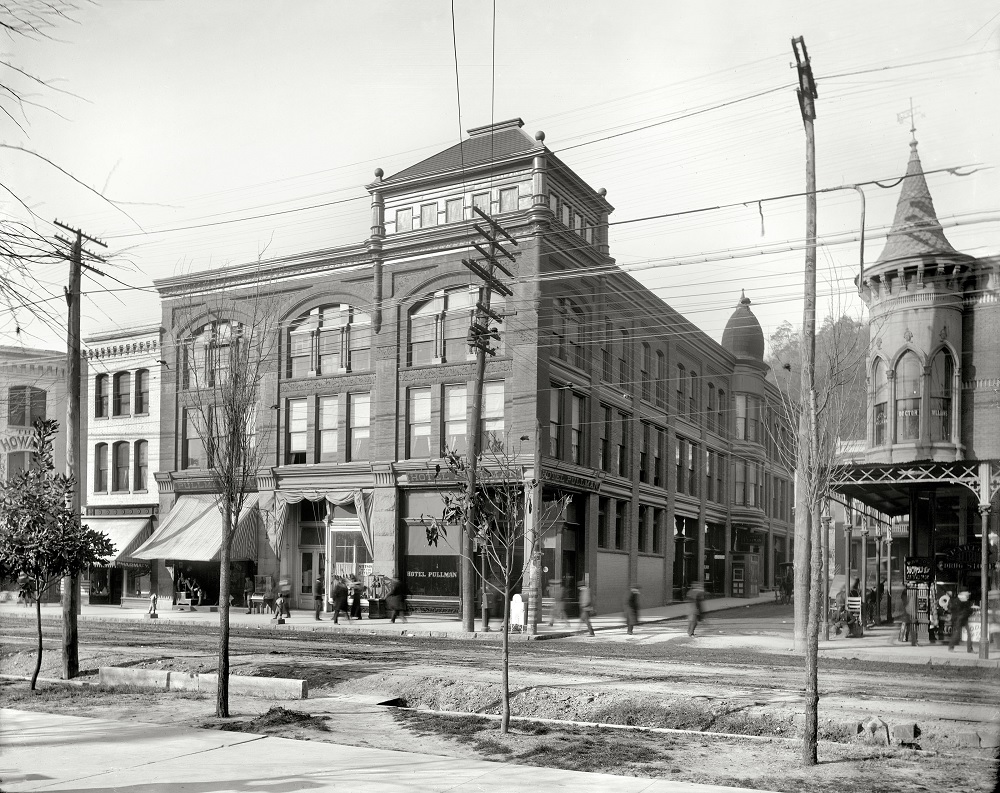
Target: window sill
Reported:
point(101, 418)
point(140, 491)
point(141, 415)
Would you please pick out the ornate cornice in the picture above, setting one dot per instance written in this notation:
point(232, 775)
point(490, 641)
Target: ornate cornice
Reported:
point(328, 384)
point(116, 350)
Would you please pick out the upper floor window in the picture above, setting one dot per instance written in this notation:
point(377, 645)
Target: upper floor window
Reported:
point(481, 201)
point(555, 421)
point(329, 340)
point(454, 210)
point(710, 408)
point(404, 219)
point(456, 418)
point(192, 443)
point(101, 468)
point(25, 405)
point(428, 215)
point(942, 375)
point(606, 353)
point(121, 472)
point(142, 391)
point(508, 199)
point(327, 426)
point(121, 405)
point(721, 421)
point(141, 465)
point(439, 326)
point(359, 425)
point(567, 324)
point(604, 443)
point(493, 398)
point(297, 431)
point(624, 362)
point(208, 354)
point(101, 396)
point(567, 214)
point(419, 420)
point(908, 384)
point(880, 399)
point(644, 372)
point(693, 394)
point(661, 383)
point(748, 409)
point(681, 386)
point(576, 419)
point(623, 446)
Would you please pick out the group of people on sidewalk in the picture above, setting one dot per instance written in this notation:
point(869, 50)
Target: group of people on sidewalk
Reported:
point(695, 598)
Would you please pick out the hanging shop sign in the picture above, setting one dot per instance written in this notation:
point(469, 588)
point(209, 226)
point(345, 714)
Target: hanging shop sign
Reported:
point(917, 570)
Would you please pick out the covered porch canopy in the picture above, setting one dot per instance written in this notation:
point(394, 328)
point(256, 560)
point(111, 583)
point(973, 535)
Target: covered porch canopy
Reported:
point(886, 487)
point(192, 531)
point(125, 533)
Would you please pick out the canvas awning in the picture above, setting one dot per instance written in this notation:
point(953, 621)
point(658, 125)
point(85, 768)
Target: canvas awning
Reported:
point(192, 531)
point(127, 534)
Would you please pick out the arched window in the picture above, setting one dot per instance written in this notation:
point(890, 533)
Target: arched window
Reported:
point(942, 375)
point(647, 365)
point(142, 391)
point(439, 326)
point(121, 472)
point(880, 399)
point(101, 396)
point(329, 340)
point(141, 465)
point(101, 468)
point(122, 401)
point(908, 372)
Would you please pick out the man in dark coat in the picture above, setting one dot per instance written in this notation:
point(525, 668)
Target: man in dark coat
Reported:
point(318, 596)
point(695, 597)
point(961, 610)
point(395, 601)
point(631, 608)
point(339, 598)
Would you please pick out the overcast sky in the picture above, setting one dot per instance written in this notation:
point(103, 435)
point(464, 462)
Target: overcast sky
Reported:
point(191, 113)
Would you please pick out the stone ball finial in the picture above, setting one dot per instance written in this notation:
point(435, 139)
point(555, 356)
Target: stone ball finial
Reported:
point(602, 192)
point(540, 136)
point(379, 173)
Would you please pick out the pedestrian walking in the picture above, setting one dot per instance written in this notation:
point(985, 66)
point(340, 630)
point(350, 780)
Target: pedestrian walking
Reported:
point(586, 607)
point(695, 597)
point(486, 607)
point(356, 590)
point(632, 608)
point(248, 590)
point(338, 596)
point(318, 597)
point(961, 610)
point(395, 600)
point(558, 595)
point(285, 591)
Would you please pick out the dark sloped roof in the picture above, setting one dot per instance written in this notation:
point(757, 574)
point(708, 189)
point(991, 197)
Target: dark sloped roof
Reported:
point(916, 230)
point(483, 144)
point(743, 336)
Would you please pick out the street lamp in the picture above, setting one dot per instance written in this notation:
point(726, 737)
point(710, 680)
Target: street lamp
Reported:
point(826, 520)
point(864, 570)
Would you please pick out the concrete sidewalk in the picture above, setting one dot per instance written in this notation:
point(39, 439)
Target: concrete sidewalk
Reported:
point(49, 752)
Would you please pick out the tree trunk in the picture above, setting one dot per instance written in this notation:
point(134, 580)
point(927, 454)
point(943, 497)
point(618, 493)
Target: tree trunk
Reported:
point(222, 694)
point(810, 732)
point(38, 659)
point(505, 665)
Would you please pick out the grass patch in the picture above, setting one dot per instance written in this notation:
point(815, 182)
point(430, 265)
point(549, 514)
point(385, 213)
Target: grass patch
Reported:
point(17, 691)
point(592, 751)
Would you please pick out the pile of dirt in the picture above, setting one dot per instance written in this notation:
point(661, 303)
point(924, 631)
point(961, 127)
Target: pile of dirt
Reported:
point(276, 719)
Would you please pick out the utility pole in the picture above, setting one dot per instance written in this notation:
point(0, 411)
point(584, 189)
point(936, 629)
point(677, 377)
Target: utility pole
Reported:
point(480, 335)
point(807, 562)
point(71, 584)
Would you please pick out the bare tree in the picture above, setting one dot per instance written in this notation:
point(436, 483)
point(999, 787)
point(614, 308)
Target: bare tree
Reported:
point(501, 504)
point(224, 366)
point(832, 413)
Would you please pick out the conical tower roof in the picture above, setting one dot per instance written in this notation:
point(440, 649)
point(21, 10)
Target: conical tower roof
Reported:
point(916, 231)
point(743, 336)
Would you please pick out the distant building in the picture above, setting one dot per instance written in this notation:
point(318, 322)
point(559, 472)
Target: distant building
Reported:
point(32, 387)
point(122, 403)
point(667, 441)
point(932, 452)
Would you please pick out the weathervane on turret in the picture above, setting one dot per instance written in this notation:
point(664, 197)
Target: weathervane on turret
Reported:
point(910, 114)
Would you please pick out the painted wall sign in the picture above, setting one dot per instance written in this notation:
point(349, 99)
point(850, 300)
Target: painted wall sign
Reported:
point(917, 569)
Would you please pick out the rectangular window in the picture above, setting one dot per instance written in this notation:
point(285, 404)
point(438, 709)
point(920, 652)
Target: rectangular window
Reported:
point(566, 215)
point(602, 522)
point(100, 468)
point(710, 463)
point(679, 459)
point(142, 391)
point(360, 331)
point(422, 336)
point(25, 406)
point(508, 199)
point(404, 219)
point(624, 368)
point(456, 418)
point(141, 465)
point(753, 420)
point(659, 517)
point(493, 394)
point(297, 423)
point(329, 350)
point(621, 524)
point(643, 537)
point(428, 215)
point(555, 420)
point(692, 477)
point(359, 427)
point(301, 353)
point(453, 210)
point(681, 386)
point(122, 394)
point(644, 373)
point(644, 453)
point(120, 481)
point(720, 479)
point(741, 483)
point(419, 436)
point(622, 458)
point(741, 417)
point(604, 449)
point(481, 201)
point(193, 449)
point(658, 443)
point(327, 425)
point(578, 224)
point(752, 485)
point(101, 396)
point(606, 365)
point(576, 429)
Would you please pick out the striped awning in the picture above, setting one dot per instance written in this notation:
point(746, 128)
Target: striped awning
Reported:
point(192, 531)
point(127, 534)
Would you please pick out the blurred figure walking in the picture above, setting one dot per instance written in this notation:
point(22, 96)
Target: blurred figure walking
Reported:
point(632, 608)
point(395, 600)
point(318, 596)
point(338, 596)
point(558, 595)
point(696, 596)
point(586, 607)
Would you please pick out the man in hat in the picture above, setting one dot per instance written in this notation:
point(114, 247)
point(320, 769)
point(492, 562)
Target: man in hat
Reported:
point(961, 610)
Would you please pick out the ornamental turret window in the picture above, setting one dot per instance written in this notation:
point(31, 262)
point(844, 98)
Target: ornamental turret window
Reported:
point(908, 372)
